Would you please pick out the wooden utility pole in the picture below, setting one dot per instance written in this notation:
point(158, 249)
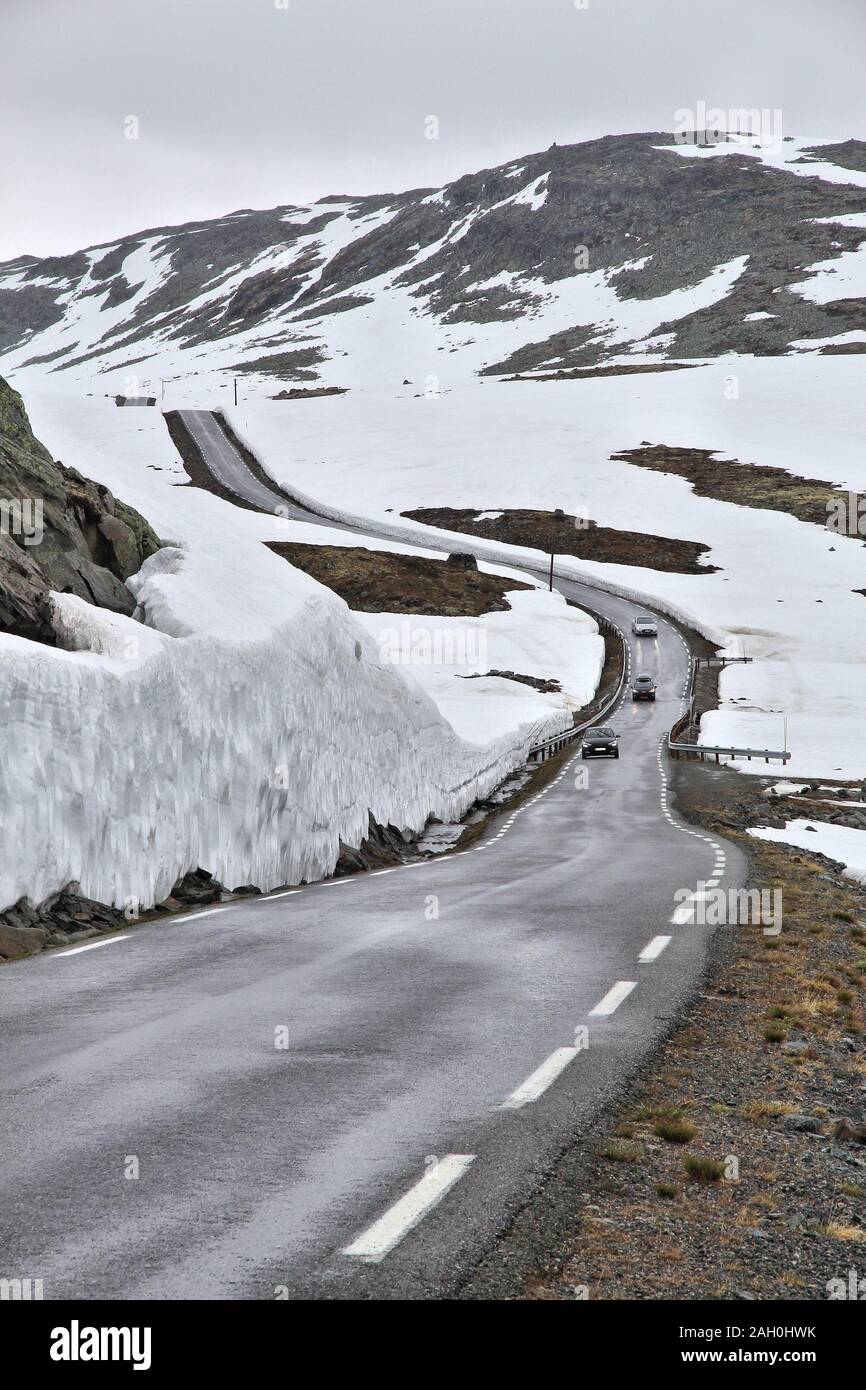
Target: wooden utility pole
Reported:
point(551, 572)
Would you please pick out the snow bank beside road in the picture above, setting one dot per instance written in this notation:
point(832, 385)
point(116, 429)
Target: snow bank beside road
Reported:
point(252, 723)
point(250, 736)
point(839, 842)
point(539, 636)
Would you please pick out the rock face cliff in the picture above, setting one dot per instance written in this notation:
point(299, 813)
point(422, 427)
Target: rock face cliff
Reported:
point(58, 531)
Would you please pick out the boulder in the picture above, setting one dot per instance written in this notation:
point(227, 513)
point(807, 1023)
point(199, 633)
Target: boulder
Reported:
point(802, 1124)
point(197, 887)
point(20, 941)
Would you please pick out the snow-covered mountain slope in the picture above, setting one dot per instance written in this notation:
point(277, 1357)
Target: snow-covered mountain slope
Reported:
point(626, 248)
point(246, 721)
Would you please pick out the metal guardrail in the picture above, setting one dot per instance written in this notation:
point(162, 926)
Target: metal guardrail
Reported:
point(711, 750)
point(548, 746)
point(717, 662)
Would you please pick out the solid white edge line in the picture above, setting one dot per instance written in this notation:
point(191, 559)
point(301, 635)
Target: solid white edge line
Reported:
point(380, 1238)
point(612, 1000)
point(91, 946)
point(543, 1076)
point(654, 948)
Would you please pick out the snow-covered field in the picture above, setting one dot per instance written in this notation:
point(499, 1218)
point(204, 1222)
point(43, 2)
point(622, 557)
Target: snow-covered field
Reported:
point(254, 721)
point(185, 777)
point(538, 636)
point(839, 842)
point(784, 591)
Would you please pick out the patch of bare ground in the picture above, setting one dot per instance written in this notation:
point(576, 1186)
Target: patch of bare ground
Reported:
point(307, 393)
point(562, 534)
point(380, 581)
point(745, 484)
point(848, 154)
point(587, 373)
point(547, 687)
point(842, 349)
point(736, 1168)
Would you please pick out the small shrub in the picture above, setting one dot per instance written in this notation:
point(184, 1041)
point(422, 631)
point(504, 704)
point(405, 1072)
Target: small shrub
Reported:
point(701, 1169)
point(621, 1152)
point(839, 1231)
point(774, 1033)
point(665, 1189)
point(675, 1130)
point(758, 1109)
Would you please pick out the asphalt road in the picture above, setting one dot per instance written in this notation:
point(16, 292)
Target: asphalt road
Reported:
point(223, 1104)
point(229, 468)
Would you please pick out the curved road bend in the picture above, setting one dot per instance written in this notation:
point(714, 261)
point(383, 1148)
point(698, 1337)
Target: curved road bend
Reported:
point(434, 1066)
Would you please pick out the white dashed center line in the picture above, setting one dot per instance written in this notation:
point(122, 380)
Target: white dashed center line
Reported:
point(654, 948)
point(91, 946)
point(375, 1243)
point(612, 1000)
point(536, 1084)
point(685, 913)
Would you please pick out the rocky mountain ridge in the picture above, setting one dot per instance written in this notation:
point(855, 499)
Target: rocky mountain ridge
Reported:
point(626, 247)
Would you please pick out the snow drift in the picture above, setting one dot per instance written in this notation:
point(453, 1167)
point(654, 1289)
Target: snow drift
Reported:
point(250, 734)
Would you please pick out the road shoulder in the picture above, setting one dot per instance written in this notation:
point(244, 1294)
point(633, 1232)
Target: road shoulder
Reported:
point(724, 1170)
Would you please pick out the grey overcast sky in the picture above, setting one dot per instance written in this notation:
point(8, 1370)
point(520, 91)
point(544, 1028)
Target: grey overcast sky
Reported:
point(252, 103)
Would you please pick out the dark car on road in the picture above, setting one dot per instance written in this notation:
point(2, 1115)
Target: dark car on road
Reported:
point(600, 743)
point(643, 687)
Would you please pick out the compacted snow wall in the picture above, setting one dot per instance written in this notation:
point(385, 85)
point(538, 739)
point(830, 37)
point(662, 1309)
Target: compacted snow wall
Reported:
point(247, 728)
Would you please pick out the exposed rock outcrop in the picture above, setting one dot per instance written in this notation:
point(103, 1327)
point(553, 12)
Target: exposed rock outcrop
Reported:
point(58, 531)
